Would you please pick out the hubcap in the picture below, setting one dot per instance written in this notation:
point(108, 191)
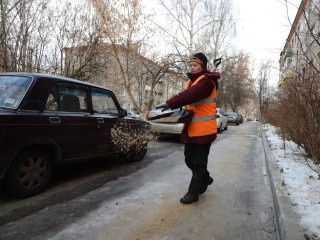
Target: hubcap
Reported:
point(32, 172)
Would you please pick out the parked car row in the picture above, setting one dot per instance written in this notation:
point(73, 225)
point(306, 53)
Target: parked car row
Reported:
point(47, 120)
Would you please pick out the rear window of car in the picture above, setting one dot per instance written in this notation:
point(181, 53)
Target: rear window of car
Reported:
point(13, 89)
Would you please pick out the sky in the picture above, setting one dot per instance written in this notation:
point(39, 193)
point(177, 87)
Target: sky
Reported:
point(263, 27)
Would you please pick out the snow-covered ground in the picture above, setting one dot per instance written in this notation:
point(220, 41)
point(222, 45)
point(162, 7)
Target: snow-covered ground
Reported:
point(301, 183)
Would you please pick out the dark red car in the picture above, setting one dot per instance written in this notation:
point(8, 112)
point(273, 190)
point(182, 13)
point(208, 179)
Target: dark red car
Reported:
point(47, 120)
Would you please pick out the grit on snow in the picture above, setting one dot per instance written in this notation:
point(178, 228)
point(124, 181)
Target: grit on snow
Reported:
point(301, 183)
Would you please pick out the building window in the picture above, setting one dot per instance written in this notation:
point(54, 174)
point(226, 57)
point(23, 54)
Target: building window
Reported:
point(122, 92)
point(122, 60)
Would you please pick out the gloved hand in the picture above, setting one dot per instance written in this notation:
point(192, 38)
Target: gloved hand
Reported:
point(164, 106)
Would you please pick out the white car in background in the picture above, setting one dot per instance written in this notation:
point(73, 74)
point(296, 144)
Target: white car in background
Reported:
point(222, 121)
point(176, 128)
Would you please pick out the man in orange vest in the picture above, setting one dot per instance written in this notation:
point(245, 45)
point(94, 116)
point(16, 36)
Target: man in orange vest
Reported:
point(197, 135)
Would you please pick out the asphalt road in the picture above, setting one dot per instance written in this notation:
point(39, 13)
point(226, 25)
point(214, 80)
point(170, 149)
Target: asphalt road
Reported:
point(111, 199)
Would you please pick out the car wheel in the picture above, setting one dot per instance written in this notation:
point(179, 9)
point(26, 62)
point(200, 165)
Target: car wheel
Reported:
point(237, 123)
point(137, 155)
point(226, 128)
point(220, 128)
point(29, 173)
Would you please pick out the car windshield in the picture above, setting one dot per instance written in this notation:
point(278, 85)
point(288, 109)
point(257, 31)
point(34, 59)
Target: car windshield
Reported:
point(12, 90)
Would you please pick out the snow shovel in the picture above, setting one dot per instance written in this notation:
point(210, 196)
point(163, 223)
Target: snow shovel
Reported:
point(174, 116)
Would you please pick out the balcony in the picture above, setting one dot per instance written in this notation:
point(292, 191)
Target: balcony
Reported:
point(287, 73)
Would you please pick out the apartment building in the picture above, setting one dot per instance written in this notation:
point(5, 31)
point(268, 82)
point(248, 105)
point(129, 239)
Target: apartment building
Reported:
point(301, 51)
point(129, 75)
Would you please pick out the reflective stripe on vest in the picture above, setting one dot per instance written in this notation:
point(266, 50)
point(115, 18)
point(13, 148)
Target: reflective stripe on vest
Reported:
point(207, 100)
point(204, 118)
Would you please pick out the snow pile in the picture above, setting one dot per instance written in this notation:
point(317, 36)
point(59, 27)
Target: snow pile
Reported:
point(302, 184)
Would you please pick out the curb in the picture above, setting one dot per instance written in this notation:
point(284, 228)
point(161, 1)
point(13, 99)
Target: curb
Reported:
point(287, 224)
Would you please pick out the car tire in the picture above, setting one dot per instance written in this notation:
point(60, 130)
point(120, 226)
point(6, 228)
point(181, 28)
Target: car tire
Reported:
point(226, 128)
point(237, 123)
point(29, 173)
point(137, 155)
point(220, 128)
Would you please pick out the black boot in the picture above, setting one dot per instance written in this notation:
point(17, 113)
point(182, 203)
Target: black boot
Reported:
point(189, 198)
point(210, 180)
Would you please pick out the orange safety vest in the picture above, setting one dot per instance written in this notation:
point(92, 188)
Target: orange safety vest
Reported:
point(204, 118)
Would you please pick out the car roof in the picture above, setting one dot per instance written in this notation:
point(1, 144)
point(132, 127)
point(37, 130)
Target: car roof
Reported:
point(50, 76)
point(231, 113)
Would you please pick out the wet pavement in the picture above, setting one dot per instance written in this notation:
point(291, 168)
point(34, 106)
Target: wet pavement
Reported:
point(145, 203)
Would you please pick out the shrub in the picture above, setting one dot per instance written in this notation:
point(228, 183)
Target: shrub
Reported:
point(297, 113)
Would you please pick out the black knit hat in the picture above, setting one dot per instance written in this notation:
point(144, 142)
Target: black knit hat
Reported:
point(203, 59)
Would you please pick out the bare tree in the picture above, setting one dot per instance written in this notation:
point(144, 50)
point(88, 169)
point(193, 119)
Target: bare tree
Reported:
point(262, 86)
point(24, 34)
point(122, 25)
point(76, 50)
point(197, 25)
point(217, 39)
point(165, 67)
point(236, 83)
point(297, 114)
point(36, 35)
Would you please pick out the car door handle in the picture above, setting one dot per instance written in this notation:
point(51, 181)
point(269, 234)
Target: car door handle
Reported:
point(54, 120)
point(100, 120)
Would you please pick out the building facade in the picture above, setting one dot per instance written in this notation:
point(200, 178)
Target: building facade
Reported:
point(131, 76)
point(301, 51)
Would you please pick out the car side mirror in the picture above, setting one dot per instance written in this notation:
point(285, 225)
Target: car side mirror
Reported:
point(122, 113)
point(217, 116)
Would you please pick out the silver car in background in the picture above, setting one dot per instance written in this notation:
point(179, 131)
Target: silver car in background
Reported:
point(233, 117)
point(164, 127)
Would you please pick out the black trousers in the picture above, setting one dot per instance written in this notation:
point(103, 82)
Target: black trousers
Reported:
point(196, 158)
